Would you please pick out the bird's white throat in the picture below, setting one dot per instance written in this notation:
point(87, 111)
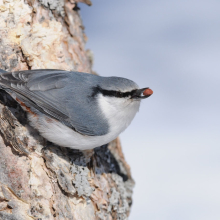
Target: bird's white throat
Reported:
point(119, 112)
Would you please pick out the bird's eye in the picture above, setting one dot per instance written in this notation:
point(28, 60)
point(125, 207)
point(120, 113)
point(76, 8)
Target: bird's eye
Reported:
point(119, 94)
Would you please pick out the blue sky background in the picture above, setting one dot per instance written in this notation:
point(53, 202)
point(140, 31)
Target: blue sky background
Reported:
point(173, 144)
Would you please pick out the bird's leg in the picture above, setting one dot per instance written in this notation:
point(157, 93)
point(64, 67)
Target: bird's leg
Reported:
point(88, 154)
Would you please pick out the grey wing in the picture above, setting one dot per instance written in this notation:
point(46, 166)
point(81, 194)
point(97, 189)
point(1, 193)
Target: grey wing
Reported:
point(49, 92)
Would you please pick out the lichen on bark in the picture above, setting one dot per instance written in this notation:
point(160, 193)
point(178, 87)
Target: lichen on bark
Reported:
point(39, 180)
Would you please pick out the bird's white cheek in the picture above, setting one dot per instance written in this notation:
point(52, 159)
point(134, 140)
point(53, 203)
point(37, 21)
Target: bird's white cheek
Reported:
point(119, 112)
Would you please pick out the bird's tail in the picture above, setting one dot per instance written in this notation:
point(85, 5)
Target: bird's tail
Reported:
point(2, 71)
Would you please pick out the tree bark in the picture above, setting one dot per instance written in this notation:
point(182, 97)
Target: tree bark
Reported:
point(39, 180)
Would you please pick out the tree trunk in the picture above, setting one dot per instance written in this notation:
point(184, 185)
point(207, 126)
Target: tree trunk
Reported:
point(39, 180)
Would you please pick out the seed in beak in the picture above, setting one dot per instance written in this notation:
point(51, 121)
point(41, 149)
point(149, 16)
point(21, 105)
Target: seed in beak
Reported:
point(147, 92)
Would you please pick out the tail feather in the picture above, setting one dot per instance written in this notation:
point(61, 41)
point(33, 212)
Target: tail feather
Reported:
point(3, 71)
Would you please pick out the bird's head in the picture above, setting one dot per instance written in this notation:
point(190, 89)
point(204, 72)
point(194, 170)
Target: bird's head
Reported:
point(119, 99)
point(118, 88)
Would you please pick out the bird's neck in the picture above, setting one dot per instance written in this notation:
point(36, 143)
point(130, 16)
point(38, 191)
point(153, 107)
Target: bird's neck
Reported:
point(119, 112)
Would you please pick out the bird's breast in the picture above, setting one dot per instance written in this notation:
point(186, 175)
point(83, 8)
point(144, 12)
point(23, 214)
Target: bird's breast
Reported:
point(118, 112)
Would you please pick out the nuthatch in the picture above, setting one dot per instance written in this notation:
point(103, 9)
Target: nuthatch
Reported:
point(73, 109)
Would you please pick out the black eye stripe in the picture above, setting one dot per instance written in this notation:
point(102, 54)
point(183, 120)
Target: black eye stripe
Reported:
point(112, 93)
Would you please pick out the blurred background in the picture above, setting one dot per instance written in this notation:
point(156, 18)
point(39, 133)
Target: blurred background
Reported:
point(173, 144)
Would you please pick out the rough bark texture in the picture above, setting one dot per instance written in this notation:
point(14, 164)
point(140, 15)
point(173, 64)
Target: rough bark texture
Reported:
point(47, 181)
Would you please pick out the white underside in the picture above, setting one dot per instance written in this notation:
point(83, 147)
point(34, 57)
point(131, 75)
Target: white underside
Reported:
point(119, 115)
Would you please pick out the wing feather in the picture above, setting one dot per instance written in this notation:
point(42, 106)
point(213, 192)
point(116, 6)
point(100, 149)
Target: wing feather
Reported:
point(46, 90)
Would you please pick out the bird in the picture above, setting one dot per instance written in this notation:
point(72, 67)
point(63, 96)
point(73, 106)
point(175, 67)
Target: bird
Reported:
point(74, 109)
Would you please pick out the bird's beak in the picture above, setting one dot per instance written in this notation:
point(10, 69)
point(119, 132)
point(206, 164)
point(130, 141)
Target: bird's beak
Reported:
point(142, 93)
